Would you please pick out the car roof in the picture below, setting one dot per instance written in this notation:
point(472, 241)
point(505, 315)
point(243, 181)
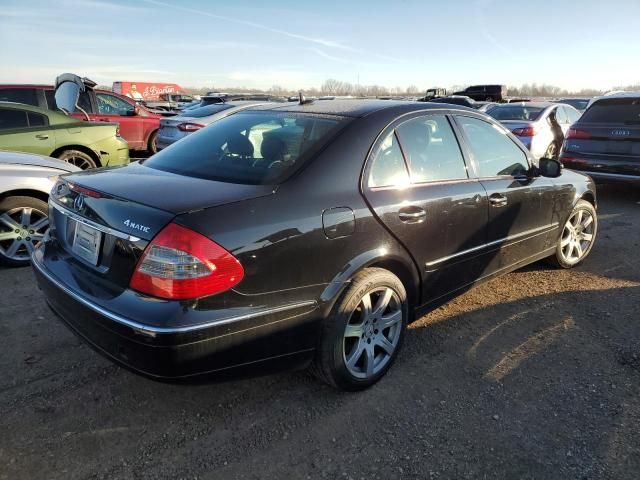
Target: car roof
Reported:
point(527, 104)
point(355, 107)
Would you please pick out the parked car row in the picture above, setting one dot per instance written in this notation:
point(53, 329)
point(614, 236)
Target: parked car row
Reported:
point(138, 125)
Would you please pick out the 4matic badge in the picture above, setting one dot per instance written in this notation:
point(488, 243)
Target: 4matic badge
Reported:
point(136, 226)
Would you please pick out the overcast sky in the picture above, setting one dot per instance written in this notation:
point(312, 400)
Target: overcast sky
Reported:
point(298, 44)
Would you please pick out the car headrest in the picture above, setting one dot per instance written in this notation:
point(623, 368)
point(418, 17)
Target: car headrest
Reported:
point(273, 148)
point(238, 144)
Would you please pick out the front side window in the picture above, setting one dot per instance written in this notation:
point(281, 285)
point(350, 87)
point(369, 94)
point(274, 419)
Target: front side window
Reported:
point(254, 148)
point(10, 119)
point(495, 153)
point(431, 149)
point(112, 105)
point(387, 166)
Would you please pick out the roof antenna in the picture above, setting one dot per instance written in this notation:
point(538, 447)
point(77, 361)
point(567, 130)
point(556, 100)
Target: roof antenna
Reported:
point(303, 101)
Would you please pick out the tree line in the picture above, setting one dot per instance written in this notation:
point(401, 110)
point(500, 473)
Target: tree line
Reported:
point(334, 87)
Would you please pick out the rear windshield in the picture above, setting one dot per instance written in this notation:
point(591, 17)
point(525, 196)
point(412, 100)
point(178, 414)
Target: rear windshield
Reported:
point(524, 113)
point(19, 95)
point(208, 110)
point(614, 110)
point(254, 148)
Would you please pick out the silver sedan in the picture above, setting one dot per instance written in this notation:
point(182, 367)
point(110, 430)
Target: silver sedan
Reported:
point(173, 129)
point(25, 183)
point(540, 126)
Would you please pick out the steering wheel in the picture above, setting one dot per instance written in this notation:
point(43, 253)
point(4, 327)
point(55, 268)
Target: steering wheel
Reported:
point(275, 163)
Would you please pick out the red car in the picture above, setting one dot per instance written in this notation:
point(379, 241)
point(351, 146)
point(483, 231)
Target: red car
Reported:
point(138, 126)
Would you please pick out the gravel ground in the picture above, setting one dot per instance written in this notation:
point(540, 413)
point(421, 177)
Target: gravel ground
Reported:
point(532, 375)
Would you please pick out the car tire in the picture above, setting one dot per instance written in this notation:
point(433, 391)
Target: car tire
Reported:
point(353, 353)
point(152, 145)
point(14, 235)
point(577, 237)
point(79, 159)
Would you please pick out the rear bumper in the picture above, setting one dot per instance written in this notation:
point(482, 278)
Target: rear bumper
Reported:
point(604, 167)
point(164, 142)
point(245, 341)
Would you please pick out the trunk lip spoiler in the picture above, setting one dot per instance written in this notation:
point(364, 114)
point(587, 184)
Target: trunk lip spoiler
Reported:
point(103, 228)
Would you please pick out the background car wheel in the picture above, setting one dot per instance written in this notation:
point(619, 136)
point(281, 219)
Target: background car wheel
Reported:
point(578, 236)
point(152, 146)
point(362, 337)
point(78, 158)
point(23, 222)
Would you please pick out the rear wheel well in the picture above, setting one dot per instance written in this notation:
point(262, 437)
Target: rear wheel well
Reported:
point(589, 197)
point(25, 193)
point(82, 149)
point(404, 274)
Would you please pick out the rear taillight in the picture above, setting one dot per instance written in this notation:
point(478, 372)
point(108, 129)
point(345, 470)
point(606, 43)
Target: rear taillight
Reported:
point(189, 127)
point(525, 131)
point(181, 264)
point(577, 134)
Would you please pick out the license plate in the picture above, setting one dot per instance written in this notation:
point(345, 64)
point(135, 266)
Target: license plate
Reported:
point(86, 242)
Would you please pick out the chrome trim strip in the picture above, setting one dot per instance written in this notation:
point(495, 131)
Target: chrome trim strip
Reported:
point(619, 176)
point(152, 330)
point(92, 224)
point(533, 232)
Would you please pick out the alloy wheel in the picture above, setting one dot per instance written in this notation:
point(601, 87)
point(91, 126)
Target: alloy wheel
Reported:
point(79, 162)
point(372, 333)
point(577, 236)
point(21, 230)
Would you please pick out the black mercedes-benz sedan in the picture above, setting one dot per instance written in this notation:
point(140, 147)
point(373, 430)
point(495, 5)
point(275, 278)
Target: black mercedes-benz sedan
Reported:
point(605, 142)
point(302, 235)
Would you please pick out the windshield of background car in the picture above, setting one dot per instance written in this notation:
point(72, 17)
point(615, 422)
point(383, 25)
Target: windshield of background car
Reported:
point(208, 110)
point(524, 113)
point(613, 110)
point(253, 148)
point(579, 104)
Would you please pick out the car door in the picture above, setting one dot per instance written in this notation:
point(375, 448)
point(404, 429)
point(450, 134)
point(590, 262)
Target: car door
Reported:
point(418, 183)
point(25, 131)
point(112, 108)
point(520, 204)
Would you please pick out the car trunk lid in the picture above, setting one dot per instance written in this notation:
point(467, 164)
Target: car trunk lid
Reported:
point(103, 220)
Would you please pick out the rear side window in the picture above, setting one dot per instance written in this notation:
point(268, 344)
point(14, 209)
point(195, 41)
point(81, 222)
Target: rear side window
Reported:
point(37, 119)
point(254, 148)
point(387, 166)
point(495, 153)
point(10, 119)
point(614, 110)
point(431, 149)
point(19, 95)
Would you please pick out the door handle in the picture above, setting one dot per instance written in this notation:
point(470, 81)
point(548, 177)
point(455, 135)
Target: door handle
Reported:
point(42, 136)
point(498, 200)
point(412, 214)
point(103, 119)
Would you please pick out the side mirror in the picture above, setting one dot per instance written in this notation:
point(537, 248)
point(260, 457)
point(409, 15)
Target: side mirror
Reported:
point(135, 111)
point(550, 167)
